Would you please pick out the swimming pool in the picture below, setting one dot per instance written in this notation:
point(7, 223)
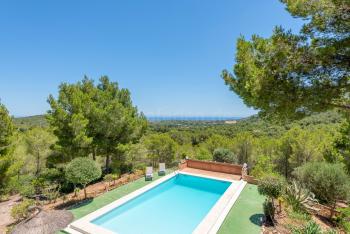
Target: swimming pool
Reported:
point(175, 206)
point(177, 203)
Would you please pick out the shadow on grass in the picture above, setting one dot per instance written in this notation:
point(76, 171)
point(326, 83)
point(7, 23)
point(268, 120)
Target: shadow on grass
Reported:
point(257, 219)
point(74, 204)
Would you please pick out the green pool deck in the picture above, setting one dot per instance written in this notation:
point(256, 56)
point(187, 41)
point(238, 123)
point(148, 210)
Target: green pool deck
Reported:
point(246, 214)
point(243, 218)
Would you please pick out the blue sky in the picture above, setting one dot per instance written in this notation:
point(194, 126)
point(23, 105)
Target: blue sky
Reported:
point(169, 54)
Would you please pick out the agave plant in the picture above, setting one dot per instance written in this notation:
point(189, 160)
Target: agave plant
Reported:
point(299, 197)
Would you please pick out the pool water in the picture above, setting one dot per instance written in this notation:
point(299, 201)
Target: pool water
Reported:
point(177, 205)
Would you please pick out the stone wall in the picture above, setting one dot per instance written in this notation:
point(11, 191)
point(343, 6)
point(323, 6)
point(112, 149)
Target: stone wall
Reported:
point(215, 166)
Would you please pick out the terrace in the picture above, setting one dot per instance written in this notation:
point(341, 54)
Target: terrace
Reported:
point(243, 215)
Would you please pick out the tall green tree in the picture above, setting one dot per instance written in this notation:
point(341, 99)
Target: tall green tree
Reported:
point(244, 147)
point(95, 119)
point(292, 75)
point(161, 148)
point(38, 142)
point(6, 146)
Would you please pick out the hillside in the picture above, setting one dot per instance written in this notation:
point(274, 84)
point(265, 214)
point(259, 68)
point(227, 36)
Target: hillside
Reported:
point(30, 121)
point(253, 124)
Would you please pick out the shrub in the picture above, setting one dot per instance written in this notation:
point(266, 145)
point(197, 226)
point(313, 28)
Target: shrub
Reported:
point(203, 154)
point(327, 181)
point(22, 185)
point(51, 191)
point(344, 218)
point(52, 175)
point(4, 197)
point(27, 190)
point(310, 228)
point(224, 155)
point(82, 171)
point(20, 211)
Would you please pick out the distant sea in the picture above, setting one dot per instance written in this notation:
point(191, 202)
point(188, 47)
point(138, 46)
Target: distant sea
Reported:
point(191, 118)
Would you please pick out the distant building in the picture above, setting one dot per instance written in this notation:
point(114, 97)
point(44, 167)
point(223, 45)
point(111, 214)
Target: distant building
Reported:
point(230, 121)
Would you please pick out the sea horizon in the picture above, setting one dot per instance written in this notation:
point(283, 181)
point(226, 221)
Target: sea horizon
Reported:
point(154, 118)
point(193, 118)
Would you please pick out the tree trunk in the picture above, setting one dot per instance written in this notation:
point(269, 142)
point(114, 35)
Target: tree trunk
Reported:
point(333, 209)
point(37, 164)
point(85, 195)
point(280, 206)
point(94, 153)
point(75, 191)
point(108, 159)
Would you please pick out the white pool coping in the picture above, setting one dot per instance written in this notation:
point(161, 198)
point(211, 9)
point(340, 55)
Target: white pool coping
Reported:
point(210, 224)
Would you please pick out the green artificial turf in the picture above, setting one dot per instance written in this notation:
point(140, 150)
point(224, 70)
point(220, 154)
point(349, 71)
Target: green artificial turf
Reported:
point(246, 214)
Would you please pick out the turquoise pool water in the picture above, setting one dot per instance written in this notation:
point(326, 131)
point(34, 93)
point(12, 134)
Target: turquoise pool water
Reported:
point(175, 206)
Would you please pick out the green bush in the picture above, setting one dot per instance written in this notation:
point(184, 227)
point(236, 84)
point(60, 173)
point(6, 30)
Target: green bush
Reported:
point(52, 175)
point(224, 155)
point(22, 185)
point(51, 191)
point(20, 211)
point(343, 219)
point(327, 181)
point(299, 215)
point(4, 197)
point(203, 154)
point(310, 228)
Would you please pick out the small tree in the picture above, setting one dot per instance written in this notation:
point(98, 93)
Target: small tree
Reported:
point(327, 181)
point(82, 171)
point(272, 187)
point(224, 155)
